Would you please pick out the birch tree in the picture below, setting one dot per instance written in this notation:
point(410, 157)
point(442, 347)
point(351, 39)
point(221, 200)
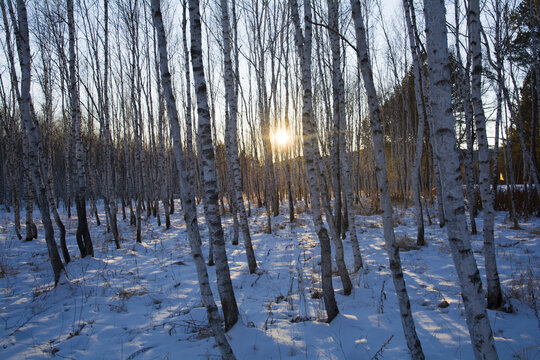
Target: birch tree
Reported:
point(186, 190)
point(428, 114)
point(493, 284)
point(83, 234)
point(46, 82)
point(445, 150)
point(110, 202)
point(36, 153)
point(311, 152)
point(30, 226)
point(231, 128)
point(420, 106)
point(162, 168)
point(407, 321)
point(341, 165)
point(206, 155)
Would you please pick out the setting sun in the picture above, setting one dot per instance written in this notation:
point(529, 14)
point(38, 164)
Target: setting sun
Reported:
point(282, 137)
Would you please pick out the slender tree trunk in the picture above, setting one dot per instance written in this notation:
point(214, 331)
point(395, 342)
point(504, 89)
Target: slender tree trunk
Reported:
point(186, 190)
point(162, 168)
point(30, 226)
point(47, 90)
point(420, 106)
point(445, 149)
point(311, 153)
point(465, 93)
point(210, 194)
point(341, 164)
point(407, 321)
point(428, 119)
point(232, 101)
point(36, 153)
point(110, 204)
point(509, 174)
point(28, 197)
point(493, 284)
point(83, 234)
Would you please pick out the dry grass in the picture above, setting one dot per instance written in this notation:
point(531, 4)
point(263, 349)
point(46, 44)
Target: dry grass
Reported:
point(372, 225)
point(6, 270)
point(524, 286)
point(280, 226)
point(404, 243)
point(126, 294)
point(300, 208)
point(40, 290)
point(535, 231)
point(530, 352)
point(369, 206)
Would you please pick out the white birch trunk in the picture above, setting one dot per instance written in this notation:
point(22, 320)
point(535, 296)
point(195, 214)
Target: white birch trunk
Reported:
point(186, 190)
point(210, 193)
point(46, 84)
point(464, 90)
point(83, 234)
point(416, 175)
point(469, 169)
point(36, 154)
point(232, 101)
point(428, 118)
point(407, 321)
point(110, 207)
point(162, 168)
point(340, 160)
point(28, 197)
point(493, 284)
point(311, 153)
point(288, 152)
point(188, 115)
point(445, 149)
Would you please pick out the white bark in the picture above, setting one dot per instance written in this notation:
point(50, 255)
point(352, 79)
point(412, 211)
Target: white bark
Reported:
point(340, 163)
point(428, 118)
point(232, 101)
point(83, 234)
point(311, 153)
point(162, 169)
point(36, 154)
point(445, 149)
point(186, 191)
point(465, 92)
point(407, 321)
point(28, 197)
point(493, 284)
point(210, 193)
point(110, 206)
point(288, 152)
point(416, 175)
point(46, 82)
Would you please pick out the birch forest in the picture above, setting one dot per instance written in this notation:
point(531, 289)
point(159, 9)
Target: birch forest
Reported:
point(270, 179)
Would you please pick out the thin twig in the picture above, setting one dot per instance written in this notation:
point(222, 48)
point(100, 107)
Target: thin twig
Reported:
point(335, 32)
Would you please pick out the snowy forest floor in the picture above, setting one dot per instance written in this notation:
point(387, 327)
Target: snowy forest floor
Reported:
point(142, 301)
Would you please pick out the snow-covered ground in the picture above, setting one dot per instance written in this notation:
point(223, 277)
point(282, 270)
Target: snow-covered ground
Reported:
point(142, 302)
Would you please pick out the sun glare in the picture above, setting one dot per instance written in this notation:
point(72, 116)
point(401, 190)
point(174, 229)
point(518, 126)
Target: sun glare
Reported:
point(282, 137)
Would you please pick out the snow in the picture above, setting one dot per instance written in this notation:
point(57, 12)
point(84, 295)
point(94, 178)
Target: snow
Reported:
point(142, 301)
